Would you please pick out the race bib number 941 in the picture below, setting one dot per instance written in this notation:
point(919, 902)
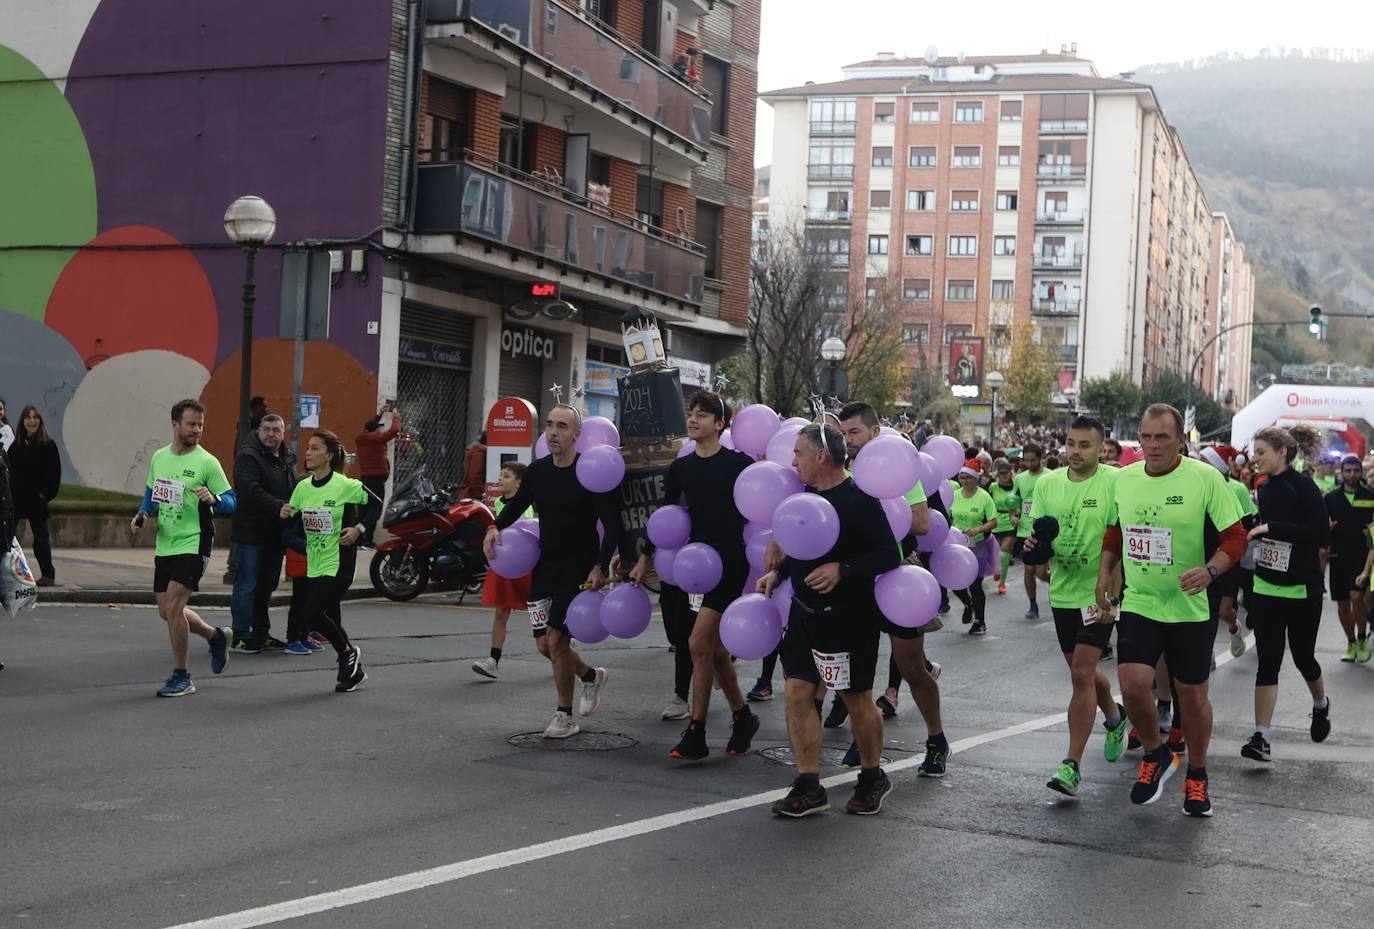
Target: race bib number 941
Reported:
point(1149, 545)
point(168, 492)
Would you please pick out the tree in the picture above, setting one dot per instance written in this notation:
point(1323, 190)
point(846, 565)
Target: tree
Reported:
point(1112, 398)
point(931, 398)
point(1030, 375)
point(875, 358)
point(1168, 387)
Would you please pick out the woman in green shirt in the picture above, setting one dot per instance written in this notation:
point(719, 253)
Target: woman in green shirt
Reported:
point(973, 513)
point(1008, 503)
point(335, 511)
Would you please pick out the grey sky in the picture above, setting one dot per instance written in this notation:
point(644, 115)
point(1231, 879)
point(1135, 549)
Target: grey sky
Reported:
point(811, 39)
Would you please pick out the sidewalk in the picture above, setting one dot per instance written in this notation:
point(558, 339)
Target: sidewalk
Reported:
point(125, 575)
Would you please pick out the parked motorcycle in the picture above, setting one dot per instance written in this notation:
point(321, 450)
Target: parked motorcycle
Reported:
point(435, 540)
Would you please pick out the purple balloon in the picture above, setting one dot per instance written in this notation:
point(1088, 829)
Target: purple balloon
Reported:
point(625, 611)
point(761, 487)
point(541, 446)
point(749, 627)
point(956, 537)
point(752, 581)
point(947, 452)
point(584, 617)
point(597, 430)
point(887, 467)
point(753, 529)
point(727, 440)
point(529, 525)
point(797, 421)
point(946, 491)
point(782, 599)
point(935, 536)
point(908, 595)
point(516, 553)
point(782, 446)
point(670, 527)
point(698, 568)
point(954, 566)
point(898, 513)
point(600, 469)
point(600, 531)
point(752, 427)
point(757, 548)
point(687, 448)
point(806, 526)
point(663, 565)
point(929, 473)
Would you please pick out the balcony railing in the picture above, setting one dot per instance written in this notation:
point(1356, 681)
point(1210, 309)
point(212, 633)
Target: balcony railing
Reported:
point(1063, 126)
point(829, 216)
point(490, 201)
point(830, 172)
point(1060, 217)
point(1046, 172)
point(592, 53)
point(1058, 262)
point(1045, 306)
point(832, 127)
point(1065, 352)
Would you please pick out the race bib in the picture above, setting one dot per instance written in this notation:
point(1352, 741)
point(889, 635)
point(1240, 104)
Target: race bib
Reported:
point(1149, 545)
point(539, 613)
point(833, 668)
point(1273, 554)
point(694, 602)
point(1025, 507)
point(168, 492)
point(318, 522)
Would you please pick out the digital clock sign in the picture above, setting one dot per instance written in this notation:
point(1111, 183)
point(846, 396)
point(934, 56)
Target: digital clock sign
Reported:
point(540, 290)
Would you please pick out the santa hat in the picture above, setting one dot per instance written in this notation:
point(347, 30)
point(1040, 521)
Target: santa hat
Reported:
point(973, 467)
point(1219, 457)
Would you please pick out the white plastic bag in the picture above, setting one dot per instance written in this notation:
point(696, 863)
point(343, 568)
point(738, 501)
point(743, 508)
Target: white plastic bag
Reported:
point(17, 588)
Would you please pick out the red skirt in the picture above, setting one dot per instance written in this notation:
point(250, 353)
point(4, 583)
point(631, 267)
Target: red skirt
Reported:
point(504, 593)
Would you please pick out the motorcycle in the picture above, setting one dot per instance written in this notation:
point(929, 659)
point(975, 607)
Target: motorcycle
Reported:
point(435, 540)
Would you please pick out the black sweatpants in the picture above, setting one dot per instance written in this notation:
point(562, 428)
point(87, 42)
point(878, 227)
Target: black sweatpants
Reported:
point(974, 597)
point(1271, 618)
point(678, 620)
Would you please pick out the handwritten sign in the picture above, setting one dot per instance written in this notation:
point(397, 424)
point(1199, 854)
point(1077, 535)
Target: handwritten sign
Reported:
point(642, 492)
point(651, 405)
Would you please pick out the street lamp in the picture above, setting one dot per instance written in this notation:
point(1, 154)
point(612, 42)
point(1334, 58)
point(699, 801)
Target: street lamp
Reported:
point(832, 353)
point(249, 223)
point(1071, 395)
point(994, 380)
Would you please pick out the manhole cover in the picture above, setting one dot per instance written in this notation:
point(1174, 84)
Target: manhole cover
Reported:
point(829, 756)
point(582, 742)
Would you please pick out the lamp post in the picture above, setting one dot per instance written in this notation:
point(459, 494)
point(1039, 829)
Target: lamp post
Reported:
point(832, 353)
point(249, 222)
point(994, 380)
point(1071, 395)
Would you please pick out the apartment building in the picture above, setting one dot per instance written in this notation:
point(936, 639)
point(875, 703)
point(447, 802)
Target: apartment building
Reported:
point(1225, 371)
point(988, 191)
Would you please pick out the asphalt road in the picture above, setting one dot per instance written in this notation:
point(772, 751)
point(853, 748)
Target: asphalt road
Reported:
point(267, 799)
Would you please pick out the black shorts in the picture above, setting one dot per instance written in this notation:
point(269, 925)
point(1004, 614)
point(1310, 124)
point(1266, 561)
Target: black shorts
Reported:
point(1343, 571)
point(851, 628)
point(559, 582)
point(1003, 536)
point(899, 632)
point(1068, 625)
point(1186, 647)
point(1228, 584)
point(186, 570)
point(729, 589)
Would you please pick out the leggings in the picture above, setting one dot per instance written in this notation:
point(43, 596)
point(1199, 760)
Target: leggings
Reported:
point(1270, 617)
point(678, 621)
point(322, 601)
point(974, 597)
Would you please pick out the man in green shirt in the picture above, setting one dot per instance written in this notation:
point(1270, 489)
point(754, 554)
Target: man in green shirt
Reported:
point(1350, 509)
point(1008, 503)
point(1032, 456)
point(1079, 499)
point(1325, 476)
point(972, 512)
point(186, 490)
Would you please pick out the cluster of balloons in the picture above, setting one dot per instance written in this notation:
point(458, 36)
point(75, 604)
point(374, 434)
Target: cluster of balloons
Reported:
point(622, 610)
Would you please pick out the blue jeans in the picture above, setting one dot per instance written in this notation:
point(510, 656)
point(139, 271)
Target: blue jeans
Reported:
point(259, 570)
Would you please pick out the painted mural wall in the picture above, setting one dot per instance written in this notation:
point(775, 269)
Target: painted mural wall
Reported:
point(134, 124)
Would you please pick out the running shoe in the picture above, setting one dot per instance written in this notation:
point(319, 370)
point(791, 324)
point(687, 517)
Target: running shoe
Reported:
point(1321, 722)
point(1107, 654)
point(1154, 771)
point(1177, 744)
point(1257, 749)
point(1001, 589)
point(1133, 740)
point(677, 708)
point(318, 639)
point(1237, 644)
point(742, 732)
point(1352, 650)
point(944, 607)
point(934, 670)
point(1066, 779)
point(802, 800)
point(1362, 650)
point(936, 759)
point(978, 628)
point(178, 685)
point(312, 646)
point(298, 648)
point(591, 693)
point(351, 673)
point(1033, 611)
point(869, 796)
point(563, 726)
point(219, 648)
point(760, 693)
point(270, 644)
point(244, 647)
point(487, 667)
point(1115, 745)
point(692, 746)
point(1196, 801)
point(936, 624)
point(851, 756)
point(888, 703)
point(968, 616)
point(838, 713)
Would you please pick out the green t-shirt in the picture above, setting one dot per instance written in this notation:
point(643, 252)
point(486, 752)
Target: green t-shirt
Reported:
point(1007, 501)
point(1083, 509)
point(1247, 502)
point(1327, 484)
point(970, 512)
point(322, 510)
point(1025, 486)
point(185, 526)
point(1161, 519)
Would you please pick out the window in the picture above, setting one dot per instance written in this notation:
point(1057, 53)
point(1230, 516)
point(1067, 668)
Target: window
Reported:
point(448, 121)
point(964, 201)
point(920, 245)
point(880, 199)
point(915, 288)
point(882, 156)
point(872, 287)
point(649, 200)
point(517, 144)
point(963, 246)
point(599, 169)
point(921, 156)
point(1063, 112)
point(968, 111)
point(1006, 199)
point(708, 234)
point(916, 334)
point(829, 115)
point(1056, 201)
point(877, 245)
point(1011, 111)
point(1008, 155)
point(715, 80)
point(831, 159)
point(1004, 245)
point(958, 331)
point(920, 200)
point(968, 156)
point(925, 112)
point(1002, 290)
point(884, 112)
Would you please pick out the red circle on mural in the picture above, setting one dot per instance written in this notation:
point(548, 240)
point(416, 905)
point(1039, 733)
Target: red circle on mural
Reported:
point(1292, 399)
point(108, 303)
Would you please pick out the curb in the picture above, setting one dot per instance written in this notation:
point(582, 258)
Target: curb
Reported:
point(128, 596)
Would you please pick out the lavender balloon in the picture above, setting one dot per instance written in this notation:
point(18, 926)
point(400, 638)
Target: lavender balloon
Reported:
point(687, 448)
point(541, 446)
point(749, 627)
point(908, 596)
point(625, 611)
point(947, 452)
point(600, 469)
point(936, 535)
point(584, 617)
point(757, 548)
point(782, 600)
point(698, 568)
point(946, 491)
point(597, 430)
point(529, 525)
point(898, 513)
point(954, 566)
point(782, 446)
point(806, 526)
point(956, 537)
point(753, 529)
point(761, 487)
point(663, 565)
point(727, 440)
point(752, 427)
point(515, 553)
point(929, 473)
point(886, 467)
point(797, 421)
point(670, 526)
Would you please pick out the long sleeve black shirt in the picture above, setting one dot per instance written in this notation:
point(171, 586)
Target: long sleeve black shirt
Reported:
point(567, 515)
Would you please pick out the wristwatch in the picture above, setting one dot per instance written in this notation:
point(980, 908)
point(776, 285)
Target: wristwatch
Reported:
point(1212, 571)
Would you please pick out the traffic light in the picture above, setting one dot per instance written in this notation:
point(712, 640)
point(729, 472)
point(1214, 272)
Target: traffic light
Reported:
point(1317, 325)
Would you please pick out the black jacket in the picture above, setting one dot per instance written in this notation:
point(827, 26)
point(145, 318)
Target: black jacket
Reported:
point(1350, 536)
point(1290, 504)
point(35, 476)
point(263, 482)
point(6, 506)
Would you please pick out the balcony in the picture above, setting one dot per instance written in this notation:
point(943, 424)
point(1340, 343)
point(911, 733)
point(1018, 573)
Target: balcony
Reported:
point(488, 201)
point(830, 172)
point(1067, 354)
point(1057, 262)
point(833, 127)
point(582, 51)
point(829, 216)
point(1061, 174)
point(1047, 306)
point(1059, 218)
point(1063, 126)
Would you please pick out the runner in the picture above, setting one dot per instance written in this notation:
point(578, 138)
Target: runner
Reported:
point(1161, 507)
point(859, 424)
point(186, 490)
point(973, 513)
point(502, 593)
point(704, 482)
point(1350, 508)
point(1224, 592)
point(570, 558)
point(1008, 504)
point(832, 633)
point(1287, 598)
point(1031, 457)
point(336, 512)
point(1079, 498)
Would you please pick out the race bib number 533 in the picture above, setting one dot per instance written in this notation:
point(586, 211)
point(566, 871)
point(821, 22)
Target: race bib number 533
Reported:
point(1149, 545)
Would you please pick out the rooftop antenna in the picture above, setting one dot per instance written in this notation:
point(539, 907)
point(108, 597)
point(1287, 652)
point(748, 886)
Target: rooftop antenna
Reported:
point(932, 55)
